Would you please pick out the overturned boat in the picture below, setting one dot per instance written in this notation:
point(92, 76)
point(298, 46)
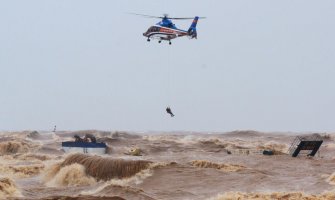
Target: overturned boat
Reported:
point(88, 144)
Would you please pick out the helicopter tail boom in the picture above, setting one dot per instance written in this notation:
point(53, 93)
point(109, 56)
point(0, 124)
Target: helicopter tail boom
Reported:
point(192, 31)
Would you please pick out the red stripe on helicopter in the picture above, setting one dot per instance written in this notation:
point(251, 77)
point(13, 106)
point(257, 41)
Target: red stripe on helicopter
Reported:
point(165, 30)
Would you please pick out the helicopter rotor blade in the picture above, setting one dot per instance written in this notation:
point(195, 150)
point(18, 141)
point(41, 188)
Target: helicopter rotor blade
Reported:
point(180, 18)
point(148, 16)
point(166, 16)
point(184, 18)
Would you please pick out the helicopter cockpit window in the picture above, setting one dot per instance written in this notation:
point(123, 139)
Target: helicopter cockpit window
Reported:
point(153, 29)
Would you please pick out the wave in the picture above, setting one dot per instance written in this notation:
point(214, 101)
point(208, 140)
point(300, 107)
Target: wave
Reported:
point(34, 135)
point(125, 182)
point(331, 179)
point(44, 137)
point(238, 146)
point(244, 133)
point(125, 135)
point(39, 157)
point(100, 134)
point(330, 146)
point(216, 143)
point(276, 148)
point(86, 197)
point(219, 166)
point(274, 195)
point(105, 168)
point(21, 171)
point(71, 175)
point(80, 169)
point(83, 170)
point(13, 147)
point(8, 189)
point(125, 192)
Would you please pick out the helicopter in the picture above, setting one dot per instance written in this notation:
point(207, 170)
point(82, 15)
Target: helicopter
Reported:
point(167, 30)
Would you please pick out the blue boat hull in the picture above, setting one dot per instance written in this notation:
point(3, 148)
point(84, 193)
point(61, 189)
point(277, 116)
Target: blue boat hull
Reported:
point(84, 147)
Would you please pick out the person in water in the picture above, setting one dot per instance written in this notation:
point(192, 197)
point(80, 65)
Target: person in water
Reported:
point(168, 110)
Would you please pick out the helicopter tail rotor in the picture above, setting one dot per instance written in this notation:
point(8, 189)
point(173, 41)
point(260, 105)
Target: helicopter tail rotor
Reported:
point(192, 31)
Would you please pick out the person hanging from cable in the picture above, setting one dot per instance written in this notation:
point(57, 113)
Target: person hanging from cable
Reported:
point(168, 110)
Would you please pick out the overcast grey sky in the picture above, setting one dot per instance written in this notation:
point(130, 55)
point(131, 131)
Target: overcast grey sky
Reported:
point(261, 65)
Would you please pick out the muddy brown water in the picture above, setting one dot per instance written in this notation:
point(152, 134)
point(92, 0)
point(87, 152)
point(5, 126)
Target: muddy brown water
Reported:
point(175, 166)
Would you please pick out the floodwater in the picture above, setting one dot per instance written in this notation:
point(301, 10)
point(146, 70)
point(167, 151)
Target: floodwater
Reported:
point(165, 166)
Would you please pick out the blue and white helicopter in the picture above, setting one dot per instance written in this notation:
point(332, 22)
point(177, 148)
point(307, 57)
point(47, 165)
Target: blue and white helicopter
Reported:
point(166, 30)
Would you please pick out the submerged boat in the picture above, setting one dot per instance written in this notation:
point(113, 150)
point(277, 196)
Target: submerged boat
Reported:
point(88, 144)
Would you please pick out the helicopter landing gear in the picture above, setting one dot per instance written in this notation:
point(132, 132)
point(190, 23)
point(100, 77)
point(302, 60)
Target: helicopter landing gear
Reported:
point(148, 39)
point(170, 42)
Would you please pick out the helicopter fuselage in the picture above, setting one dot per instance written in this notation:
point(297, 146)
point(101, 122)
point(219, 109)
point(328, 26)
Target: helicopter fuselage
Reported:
point(164, 33)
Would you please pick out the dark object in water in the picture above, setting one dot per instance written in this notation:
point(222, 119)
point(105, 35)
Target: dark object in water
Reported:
point(87, 138)
point(90, 137)
point(268, 152)
point(308, 144)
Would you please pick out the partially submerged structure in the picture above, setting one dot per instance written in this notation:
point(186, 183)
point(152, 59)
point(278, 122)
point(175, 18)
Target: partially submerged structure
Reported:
point(88, 144)
point(307, 145)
